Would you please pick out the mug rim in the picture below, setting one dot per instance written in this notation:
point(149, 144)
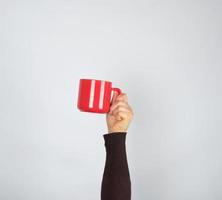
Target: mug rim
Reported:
point(89, 79)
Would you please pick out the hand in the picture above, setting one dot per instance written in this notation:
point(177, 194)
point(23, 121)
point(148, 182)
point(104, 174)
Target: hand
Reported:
point(120, 114)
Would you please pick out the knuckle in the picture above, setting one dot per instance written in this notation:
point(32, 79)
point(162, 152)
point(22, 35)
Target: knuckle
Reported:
point(125, 104)
point(119, 107)
point(130, 115)
point(116, 104)
point(119, 112)
point(125, 96)
point(118, 100)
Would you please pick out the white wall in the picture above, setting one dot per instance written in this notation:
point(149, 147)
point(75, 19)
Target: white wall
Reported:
point(166, 55)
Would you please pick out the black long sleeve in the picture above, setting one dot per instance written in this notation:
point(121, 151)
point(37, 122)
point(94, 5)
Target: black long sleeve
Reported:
point(116, 183)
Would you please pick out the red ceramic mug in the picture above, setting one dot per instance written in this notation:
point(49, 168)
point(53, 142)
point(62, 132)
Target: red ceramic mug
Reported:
point(95, 95)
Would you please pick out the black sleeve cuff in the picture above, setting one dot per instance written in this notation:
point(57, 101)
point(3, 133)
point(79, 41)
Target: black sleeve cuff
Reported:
point(115, 139)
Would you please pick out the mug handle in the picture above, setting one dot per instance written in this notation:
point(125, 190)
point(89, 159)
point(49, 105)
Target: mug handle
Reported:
point(117, 90)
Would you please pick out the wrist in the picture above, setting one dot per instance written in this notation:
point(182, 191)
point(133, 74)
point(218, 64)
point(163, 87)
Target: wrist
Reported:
point(116, 131)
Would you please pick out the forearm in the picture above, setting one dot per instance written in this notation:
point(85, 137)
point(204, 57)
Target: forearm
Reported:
point(116, 182)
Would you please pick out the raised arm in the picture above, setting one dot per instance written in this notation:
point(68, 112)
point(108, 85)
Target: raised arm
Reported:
point(116, 183)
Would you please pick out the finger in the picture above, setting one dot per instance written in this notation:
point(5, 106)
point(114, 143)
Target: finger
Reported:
point(122, 115)
point(131, 110)
point(122, 97)
point(118, 103)
point(120, 109)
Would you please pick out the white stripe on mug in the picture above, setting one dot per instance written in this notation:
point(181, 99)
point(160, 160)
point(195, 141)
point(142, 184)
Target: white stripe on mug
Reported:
point(101, 97)
point(92, 91)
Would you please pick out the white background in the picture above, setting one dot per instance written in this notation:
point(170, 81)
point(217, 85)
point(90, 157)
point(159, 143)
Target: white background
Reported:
point(166, 55)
